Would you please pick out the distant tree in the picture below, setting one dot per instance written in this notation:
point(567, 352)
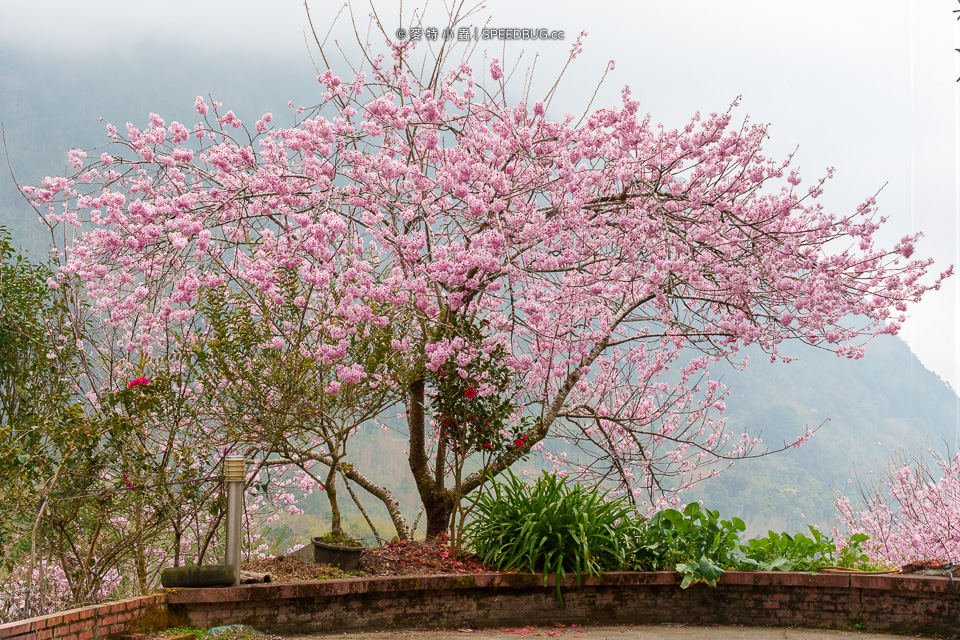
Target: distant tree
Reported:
point(534, 277)
point(288, 409)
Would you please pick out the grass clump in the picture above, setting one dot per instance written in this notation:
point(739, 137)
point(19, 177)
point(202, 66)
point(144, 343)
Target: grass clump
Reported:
point(553, 526)
point(331, 572)
point(200, 634)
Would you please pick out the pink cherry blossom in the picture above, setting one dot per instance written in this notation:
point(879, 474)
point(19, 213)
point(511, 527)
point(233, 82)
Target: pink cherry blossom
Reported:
point(909, 513)
point(615, 265)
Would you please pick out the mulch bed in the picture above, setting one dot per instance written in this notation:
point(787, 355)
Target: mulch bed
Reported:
point(395, 559)
point(418, 558)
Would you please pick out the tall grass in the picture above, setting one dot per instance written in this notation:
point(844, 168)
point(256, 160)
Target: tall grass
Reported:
point(553, 526)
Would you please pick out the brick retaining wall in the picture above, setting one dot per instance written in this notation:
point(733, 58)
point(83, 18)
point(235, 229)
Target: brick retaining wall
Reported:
point(98, 621)
point(895, 603)
point(916, 604)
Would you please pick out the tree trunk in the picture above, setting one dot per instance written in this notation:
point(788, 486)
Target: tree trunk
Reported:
point(177, 537)
point(330, 488)
point(438, 515)
point(140, 552)
point(363, 512)
point(33, 553)
point(437, 502)
point(348, 470)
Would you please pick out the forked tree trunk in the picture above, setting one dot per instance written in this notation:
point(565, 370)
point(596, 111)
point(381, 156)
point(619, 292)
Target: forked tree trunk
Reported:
point(438, 501)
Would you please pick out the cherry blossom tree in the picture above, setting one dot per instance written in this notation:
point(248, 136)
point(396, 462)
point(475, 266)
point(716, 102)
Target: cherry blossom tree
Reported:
point(532, 277)
point(910, 513)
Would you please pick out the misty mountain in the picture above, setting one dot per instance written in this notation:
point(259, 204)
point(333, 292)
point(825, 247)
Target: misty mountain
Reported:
point(47, 108)
point(865, 409)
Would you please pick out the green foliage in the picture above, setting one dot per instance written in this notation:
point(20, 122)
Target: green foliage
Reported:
point(75, 480)
point(40, 424)
point(558, 527)
point(554, 526)
point(339, 540)
point(470, 422)
point(701, 571)
point(283, 397)
point(783, 552)
point(696, 542)
point(31, 360)
point(201, 634)
point(333, 572)
point(701, 546)
point(267, 352)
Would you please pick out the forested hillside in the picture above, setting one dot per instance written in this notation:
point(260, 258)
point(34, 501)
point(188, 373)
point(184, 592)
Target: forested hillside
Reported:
point(868, 407)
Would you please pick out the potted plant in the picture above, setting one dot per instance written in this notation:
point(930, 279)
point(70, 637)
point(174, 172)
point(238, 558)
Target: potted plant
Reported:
point(336, 547)
point(338, 550)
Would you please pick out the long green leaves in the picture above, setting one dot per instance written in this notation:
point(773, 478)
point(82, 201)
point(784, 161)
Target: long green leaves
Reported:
point(552, 527)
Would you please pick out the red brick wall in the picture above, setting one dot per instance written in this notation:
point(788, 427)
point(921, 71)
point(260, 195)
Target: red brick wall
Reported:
point(916, 604)
point(893, 603)
point(96, 621)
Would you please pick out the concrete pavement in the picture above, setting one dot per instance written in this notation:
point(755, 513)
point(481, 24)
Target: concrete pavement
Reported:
point(632, 632)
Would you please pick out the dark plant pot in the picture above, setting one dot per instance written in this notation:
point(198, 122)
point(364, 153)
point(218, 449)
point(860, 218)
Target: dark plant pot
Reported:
point(347, 558)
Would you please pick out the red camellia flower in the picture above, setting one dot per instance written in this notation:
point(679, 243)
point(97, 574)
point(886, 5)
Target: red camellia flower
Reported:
point(470, 393)
point(137, 382)
point(518, 443)
point(487, 445)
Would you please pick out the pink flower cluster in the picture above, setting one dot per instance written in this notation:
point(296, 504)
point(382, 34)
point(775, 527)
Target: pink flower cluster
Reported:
point(136, 382)
point(911, 515)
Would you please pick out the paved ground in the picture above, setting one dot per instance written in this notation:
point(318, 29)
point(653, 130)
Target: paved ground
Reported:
point(638, 632)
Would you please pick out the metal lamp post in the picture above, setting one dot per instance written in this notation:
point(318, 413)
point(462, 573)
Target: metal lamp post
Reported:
point(234, 472)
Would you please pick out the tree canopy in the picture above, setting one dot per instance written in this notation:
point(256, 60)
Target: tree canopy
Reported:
point(422, 237)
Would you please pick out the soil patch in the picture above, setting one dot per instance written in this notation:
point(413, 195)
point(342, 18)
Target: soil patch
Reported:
point(404, 558)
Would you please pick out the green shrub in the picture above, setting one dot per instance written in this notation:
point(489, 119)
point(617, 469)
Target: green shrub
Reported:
point(783, 552)
point(559, 527)
point(552, 527)
point(695, 542)
point(701, 547)
point(339, 540)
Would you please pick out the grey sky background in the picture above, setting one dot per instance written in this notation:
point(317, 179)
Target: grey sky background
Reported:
point(866, 87)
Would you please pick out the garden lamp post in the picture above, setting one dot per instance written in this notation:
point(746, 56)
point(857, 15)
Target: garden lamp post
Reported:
point(234, 472)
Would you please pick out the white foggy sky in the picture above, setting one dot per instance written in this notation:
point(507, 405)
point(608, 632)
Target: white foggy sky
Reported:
point(866, 87)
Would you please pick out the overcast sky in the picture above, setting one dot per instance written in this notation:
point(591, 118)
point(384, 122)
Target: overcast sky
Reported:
point(866, 87)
